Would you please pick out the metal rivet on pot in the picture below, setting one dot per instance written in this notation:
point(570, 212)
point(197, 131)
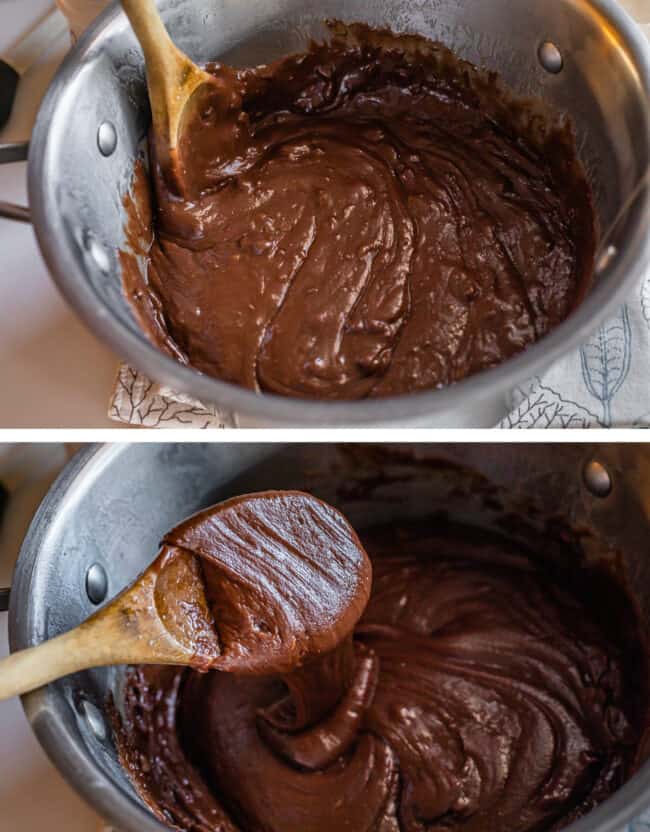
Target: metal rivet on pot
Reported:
point(94, 719)
point(106, 138)
point(96, 583)
point(597, 479)
point(606, 258)
point(550, 57)
point(97, 252)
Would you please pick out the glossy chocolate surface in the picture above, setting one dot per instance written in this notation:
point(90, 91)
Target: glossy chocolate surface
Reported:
point(371, 218)
point(483, 689)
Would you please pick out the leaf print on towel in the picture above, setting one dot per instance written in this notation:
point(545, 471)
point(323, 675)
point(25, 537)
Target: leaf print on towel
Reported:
point(606, 361)
point(543, 407)
point(645, 299)
point(139, 401)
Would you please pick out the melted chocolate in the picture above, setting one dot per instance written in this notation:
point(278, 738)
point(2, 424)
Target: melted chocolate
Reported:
point(370, 218)
point(481, 691)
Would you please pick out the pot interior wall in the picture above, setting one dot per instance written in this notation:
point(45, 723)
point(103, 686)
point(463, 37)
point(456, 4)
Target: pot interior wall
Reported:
point(111, 507)
point(601, 86)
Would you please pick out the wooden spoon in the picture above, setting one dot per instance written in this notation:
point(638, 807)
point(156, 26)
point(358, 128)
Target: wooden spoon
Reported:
point(284, 571)
point(173, 81)
point(143, 625)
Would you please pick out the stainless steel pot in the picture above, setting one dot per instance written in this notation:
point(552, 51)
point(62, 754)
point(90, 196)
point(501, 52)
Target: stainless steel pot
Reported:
point(95, 114)
point(100, 524)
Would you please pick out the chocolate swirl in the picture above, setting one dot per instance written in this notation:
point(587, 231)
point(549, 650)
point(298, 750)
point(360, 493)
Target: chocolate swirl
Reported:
point(481, 692)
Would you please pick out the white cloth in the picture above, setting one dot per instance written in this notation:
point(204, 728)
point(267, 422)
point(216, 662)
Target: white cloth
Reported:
point(604, 384)
point(137, 400)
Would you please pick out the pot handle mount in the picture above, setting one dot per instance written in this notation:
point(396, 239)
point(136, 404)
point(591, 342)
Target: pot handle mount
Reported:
point(13, 152)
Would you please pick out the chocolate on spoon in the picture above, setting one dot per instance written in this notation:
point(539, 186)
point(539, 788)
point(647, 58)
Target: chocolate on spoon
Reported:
point(258, 584)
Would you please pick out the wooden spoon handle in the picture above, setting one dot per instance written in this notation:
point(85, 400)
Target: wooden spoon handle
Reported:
point(172, 77)
point(162, 64)
point(32, 668)
point(159, 50)
point(127, 631)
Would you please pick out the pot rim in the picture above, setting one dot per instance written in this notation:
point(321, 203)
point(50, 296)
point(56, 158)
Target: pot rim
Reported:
point(81, 771)
point(67, 270)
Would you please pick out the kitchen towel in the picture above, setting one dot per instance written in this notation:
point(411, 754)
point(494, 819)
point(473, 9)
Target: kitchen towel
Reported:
point(137, 400)
point(604, 384)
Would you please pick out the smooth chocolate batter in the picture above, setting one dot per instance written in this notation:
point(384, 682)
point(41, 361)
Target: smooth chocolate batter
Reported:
point(370, 218)
point(482, 690)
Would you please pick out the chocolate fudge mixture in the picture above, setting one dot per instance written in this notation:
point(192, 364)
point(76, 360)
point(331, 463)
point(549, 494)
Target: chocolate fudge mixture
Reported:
point(370, 218)
point(482, 689)
point(243, 555)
